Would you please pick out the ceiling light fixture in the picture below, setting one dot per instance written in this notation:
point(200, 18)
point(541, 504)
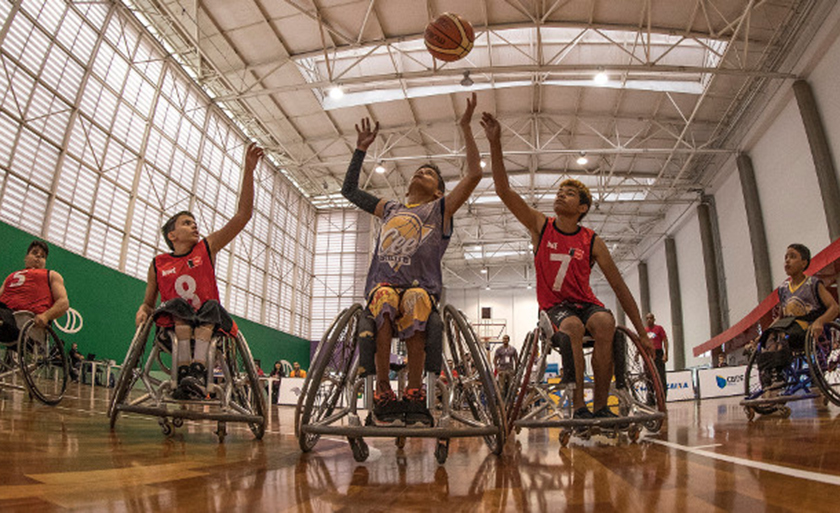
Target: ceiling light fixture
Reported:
point(483, 164)
point(601, 77)
point(336, 92)
point(467, 81)
point(380, 168)
point(582, 160)
point(483, 270)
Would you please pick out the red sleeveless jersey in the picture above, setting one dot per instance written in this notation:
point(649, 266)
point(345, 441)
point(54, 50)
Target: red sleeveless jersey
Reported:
point(189, 276)
point(563, 263)
point(28, 289)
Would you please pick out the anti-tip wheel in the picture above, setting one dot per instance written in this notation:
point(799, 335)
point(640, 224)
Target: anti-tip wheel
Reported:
point(442, 451)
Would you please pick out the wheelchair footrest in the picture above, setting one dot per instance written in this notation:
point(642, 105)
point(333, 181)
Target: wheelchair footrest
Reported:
point(408, 432)
point(590, 423)
point(781, 399)
point(190, 414)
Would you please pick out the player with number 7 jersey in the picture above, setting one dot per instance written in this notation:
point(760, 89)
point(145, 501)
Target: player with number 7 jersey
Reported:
point(564, 255)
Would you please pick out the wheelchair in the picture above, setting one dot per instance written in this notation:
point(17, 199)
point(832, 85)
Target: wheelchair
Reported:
point(636, 391)
point(816, 363)
point(234, 393)
point(39, 356)
point(339, 387)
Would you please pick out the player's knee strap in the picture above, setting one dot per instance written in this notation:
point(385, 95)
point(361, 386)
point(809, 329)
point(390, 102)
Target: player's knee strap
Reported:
point(367, 343)
point(563, 344)
point(620, 358)
point(434, 343)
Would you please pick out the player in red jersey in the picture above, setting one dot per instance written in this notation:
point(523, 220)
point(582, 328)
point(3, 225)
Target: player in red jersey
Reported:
point(564, 252)
point(34, 288)
point(186, 281)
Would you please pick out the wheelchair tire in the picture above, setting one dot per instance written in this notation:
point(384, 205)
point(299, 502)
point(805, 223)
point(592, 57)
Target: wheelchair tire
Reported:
point(335, 361)
point(243, 372)
point(130, 370)
point(38, 358)
point(487, 406)
point(523, 378)
point(752, 386)
point(823, 356)
point(642, 379)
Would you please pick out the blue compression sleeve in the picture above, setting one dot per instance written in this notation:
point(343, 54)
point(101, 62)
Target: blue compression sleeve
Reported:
point(350, 189)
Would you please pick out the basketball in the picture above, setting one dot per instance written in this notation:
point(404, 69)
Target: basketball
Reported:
point(449, 37)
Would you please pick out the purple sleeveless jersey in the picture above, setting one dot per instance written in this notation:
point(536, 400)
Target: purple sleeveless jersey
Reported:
point(410, 246)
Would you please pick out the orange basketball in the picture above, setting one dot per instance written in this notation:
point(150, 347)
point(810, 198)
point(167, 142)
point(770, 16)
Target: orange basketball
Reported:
point(449, 37)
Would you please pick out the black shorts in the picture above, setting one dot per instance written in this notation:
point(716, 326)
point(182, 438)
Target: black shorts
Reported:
point(583, 311)
point(210, 312)
point(9, 332)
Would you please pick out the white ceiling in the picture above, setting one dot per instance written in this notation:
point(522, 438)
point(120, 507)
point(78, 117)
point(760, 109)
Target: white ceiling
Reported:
point(685, 79)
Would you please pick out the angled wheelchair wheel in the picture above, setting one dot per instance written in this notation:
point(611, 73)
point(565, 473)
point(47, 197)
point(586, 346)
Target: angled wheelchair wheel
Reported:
point(130, 370)
point(823, 355)
point(332, 369)
point(475, 382)
point(752, 386)
point(43, 363)
point(642, 380)
point(247, 394)
point(522, 381)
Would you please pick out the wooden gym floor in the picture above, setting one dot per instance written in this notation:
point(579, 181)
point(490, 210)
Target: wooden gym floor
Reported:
point(710, 459)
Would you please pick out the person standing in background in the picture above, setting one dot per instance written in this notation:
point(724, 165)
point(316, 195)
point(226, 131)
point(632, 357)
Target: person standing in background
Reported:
point(660, 345)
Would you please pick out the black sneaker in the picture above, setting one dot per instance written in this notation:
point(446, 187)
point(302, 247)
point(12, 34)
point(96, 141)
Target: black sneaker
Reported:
point(183, 372)
point(606, 413)
point(387, 411)
point(583, 414)
point(199, 372)
point(416, 412)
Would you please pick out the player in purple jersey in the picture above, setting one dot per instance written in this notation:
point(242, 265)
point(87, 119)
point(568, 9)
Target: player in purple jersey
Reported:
point(404, 280)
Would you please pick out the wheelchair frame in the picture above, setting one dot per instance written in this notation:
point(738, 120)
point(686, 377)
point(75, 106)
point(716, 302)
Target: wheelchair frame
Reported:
point(817, 363)
point(328, 404)
point(641, 400)
point(35, 350)
point(239, 397)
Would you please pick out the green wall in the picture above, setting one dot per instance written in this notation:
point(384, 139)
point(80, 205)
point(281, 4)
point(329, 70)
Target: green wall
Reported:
point(108, 300)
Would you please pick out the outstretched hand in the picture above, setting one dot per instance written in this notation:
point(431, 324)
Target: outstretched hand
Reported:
point(466, 117)
point(252, 156)
point(366, 135)
point(491, 126)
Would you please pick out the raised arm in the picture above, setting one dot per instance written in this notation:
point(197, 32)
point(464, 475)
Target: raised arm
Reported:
point(531, 218)
point(602, 256)
point(461, 192)
point(350, 190)
point(149, 299)
point(60, 302)
point(221, 238)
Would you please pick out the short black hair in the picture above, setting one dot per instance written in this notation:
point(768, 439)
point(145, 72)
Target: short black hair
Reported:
point(803, 251)
point(169, 225)
point(433, 167)
point(38, 244)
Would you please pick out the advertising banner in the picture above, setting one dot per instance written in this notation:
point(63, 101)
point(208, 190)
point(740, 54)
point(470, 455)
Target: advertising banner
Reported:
point(680, 386)
point(721, 382)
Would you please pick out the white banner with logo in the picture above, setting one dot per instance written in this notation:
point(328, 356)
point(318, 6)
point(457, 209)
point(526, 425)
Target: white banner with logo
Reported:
point(680, 386)
point(721, 382)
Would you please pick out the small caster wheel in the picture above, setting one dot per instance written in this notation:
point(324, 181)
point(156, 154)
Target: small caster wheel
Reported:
point(400, 442)
point(165, 426)
point(750, 413)
point(785, 411)
point(221, 432)
point(565, 436)
point(359, 448)
point(442, 451)
point(178, 422)
point(517, 430)
point(825, 401)
point(633, 434)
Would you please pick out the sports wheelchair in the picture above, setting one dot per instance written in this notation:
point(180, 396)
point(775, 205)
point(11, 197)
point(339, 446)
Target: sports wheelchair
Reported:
point(344, 368)
point(818, 362)
point(636, 390)
point(39, 356)
point(234, 393)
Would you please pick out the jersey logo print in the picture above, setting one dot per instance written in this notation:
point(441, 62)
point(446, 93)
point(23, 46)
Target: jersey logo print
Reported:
point(194, 262)
point(167, 272)
point(576, 253)
point(401, 236)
